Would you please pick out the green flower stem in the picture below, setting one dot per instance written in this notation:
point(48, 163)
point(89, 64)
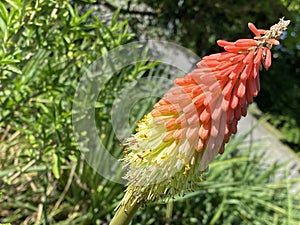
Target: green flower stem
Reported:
point(126, 210)
point(169, 212)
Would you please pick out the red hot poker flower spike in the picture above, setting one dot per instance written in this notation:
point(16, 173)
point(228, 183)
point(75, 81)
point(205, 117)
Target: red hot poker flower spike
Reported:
point(190, 125)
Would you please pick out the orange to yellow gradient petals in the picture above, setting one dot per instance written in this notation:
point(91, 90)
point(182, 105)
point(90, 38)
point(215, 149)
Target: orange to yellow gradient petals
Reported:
point(193, 121)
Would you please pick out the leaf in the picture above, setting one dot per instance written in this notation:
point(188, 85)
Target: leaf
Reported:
point(114, 19)
point(219, 212)
point(73, 158)
point(15, 3)
point(13, 69)
point(3, 12)
point(55, 166)
point(85, 16)
point(2, 25)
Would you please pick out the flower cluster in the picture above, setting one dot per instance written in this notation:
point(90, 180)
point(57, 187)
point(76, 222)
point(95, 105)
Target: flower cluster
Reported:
point(193, 121)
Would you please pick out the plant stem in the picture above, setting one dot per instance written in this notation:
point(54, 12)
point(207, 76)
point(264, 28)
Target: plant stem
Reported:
point(126, 210)
point(169, 212)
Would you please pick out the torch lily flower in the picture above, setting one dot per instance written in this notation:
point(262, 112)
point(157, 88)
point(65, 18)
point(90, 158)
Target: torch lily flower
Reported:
point(192, 122)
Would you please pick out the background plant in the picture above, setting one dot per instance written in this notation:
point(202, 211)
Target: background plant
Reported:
point(45, 46)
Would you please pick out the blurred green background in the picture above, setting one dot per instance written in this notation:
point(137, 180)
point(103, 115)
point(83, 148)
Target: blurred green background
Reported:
point(45, 48)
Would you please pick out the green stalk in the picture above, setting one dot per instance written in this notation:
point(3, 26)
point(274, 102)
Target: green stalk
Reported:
point(169, 212)
point(126, 210)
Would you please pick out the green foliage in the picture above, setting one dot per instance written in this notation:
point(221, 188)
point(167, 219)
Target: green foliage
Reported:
point(42, 56)
point(45, 47)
